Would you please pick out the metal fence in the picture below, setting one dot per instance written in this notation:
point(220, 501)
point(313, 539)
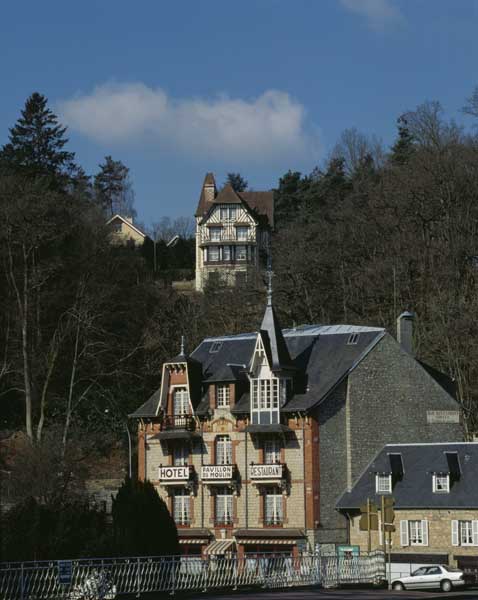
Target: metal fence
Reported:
point(109, 578)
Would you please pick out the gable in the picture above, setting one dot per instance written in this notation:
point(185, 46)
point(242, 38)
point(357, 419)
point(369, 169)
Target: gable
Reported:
point(243, 216)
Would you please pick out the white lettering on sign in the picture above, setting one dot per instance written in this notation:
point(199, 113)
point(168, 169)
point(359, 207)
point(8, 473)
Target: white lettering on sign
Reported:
point(265, 471)
point(216, 472)
point(173, 473)
point(443, 416)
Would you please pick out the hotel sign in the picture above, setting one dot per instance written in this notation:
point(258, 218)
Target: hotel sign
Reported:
point(216, 472)
point(173, 473)
point(265, 471)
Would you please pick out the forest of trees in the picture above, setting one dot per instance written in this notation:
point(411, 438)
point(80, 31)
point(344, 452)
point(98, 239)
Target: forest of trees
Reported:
point(85, 326)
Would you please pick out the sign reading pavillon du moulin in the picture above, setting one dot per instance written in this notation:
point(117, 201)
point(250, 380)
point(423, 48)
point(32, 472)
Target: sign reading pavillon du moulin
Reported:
point(265, 471)
point(173, 473)
point(216, 472)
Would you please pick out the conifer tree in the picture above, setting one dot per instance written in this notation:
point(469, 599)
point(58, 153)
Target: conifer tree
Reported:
point(403, 147)
point(113, 188)
point(36, 143)
point(238, 183)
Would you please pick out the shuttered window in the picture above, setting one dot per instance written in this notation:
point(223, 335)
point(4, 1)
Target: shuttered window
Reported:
point(414, 533)
point(464, 533)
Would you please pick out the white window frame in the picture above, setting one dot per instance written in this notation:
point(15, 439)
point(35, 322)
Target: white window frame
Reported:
point(242, 233)
point(181, 506)
point(180, 455)
point(272, 451)
point(223, 506)
point(226, 253)
point(418, 532)
point(242, 249)
point(441, 483)
point(273, 507)
point(216, 257)
point(215, 233)
point(183, 401)
point(223, 447)
point(223, 395)
point(383, 483)
point(228, 213)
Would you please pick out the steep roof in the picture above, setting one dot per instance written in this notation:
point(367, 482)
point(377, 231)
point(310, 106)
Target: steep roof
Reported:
point(273, 340)
point(260, 202)
point(414, 489)
point(204, 203)
point(128, 223)
point(322, 352)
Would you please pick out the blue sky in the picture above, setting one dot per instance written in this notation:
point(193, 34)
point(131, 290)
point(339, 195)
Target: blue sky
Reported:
point(175, 89)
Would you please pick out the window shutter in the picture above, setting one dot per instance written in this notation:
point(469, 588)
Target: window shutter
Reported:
point(454, 534)
point(404, 533)
point(425, 532)
point(474, 525)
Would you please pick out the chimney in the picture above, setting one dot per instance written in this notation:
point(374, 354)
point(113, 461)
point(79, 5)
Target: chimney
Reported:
point(405, 331)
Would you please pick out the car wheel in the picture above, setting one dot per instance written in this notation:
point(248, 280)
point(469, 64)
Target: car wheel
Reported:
point(445, 585)
point(397, 585)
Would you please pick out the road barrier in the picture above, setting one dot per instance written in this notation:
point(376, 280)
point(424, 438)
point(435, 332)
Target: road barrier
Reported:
point(108, 578)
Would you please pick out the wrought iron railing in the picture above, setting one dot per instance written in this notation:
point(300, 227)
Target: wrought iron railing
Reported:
point(108, 578)
point(179, 422)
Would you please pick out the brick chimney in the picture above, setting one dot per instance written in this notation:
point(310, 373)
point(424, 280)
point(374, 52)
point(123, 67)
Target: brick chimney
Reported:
point(209, 188)
point(405, 331)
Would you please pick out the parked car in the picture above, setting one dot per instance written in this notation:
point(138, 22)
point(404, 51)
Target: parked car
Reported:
point(429, 577)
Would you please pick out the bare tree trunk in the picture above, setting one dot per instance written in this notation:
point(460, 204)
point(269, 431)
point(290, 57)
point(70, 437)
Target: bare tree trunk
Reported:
point(69, 406)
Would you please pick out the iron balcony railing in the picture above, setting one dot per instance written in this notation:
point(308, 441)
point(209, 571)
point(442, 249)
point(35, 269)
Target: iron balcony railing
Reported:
point(186, 422)
point(224, 520)
point(273, 520)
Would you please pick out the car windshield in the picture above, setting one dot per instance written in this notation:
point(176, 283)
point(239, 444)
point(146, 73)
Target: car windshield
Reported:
point(451, 569)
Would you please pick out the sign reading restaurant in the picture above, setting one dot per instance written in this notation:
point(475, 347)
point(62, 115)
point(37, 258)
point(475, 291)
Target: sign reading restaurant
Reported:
point(173, 473)
point(219, 472)
point(265, 471)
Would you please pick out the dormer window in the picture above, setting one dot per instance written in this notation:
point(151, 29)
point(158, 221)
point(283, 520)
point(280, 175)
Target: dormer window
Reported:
point(180, 401)
point(228, 213)
point(353, 339)
point(223, 396)
point(383, 483)
point(441, 483)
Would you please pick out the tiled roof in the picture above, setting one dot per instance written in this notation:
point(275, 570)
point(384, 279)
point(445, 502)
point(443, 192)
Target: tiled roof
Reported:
point(414, 489)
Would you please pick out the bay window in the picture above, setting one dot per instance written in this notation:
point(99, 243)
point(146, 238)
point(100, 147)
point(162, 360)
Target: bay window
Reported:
point(267, 395)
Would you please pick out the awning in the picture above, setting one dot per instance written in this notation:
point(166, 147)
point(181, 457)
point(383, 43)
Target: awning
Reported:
point(192, 535)
point(272, 428)
point(219, 547)
point(280, 541)
point(193, 540)
point(268, 536)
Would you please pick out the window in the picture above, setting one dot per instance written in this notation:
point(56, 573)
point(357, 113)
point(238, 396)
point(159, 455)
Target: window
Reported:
point(117, 226)
point(241, 253)
point(226, 253)
point(215, 234)
point(223, 450)
point(273, 507)
point(180, 455)
point(464, 533)
point(228, 213)
point(383, 483)
point(213, 254)
point(441, 483)
point(180, 401)
point(181, 507)
point(222, 395)
point(268, 395)
point(353, 339)
point(215, 347)
point(223, 506)
point(242, 233)
point(416, 533)
point(271, 451)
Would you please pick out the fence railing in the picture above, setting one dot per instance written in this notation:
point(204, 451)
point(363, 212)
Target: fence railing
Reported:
point(110, 578)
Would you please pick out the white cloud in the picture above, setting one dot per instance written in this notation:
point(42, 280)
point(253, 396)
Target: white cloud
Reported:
point(379, 13)
point(264, 128)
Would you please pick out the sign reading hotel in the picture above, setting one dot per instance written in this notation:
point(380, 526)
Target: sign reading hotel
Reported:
point(173, 473)
point(265, 471)
point(216, 472)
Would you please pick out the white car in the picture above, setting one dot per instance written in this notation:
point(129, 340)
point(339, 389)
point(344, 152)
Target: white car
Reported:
point(431, 576)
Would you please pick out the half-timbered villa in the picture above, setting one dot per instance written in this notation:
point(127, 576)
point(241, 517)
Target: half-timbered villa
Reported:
point(232, 233)
point(252, 438)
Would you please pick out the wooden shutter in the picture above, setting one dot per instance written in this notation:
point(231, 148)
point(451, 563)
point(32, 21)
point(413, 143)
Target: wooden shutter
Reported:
point(455, 541)
point(474, 529)
point(425, 532)
point(404, 533)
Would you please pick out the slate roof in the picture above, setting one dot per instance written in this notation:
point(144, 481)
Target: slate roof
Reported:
point(414, 489)
point(273, 340)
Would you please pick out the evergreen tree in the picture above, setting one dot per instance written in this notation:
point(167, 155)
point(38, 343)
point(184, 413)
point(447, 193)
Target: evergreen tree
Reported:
point(113, 188)
point(141, 522)
point(37, 142)
point(404, 146)
point(238, 183)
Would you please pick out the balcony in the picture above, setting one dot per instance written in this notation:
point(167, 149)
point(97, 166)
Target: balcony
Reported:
point(223, 521)
point(228, 234)
point(263, 473)
point(273, 521)
point(185, 422)
point(218, 473)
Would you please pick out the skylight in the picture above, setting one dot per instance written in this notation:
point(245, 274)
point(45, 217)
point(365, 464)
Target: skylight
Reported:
point(215, 347)
point(353, 339)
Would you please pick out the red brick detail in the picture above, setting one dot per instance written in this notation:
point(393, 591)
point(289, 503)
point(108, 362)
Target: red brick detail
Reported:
point(312, 473)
